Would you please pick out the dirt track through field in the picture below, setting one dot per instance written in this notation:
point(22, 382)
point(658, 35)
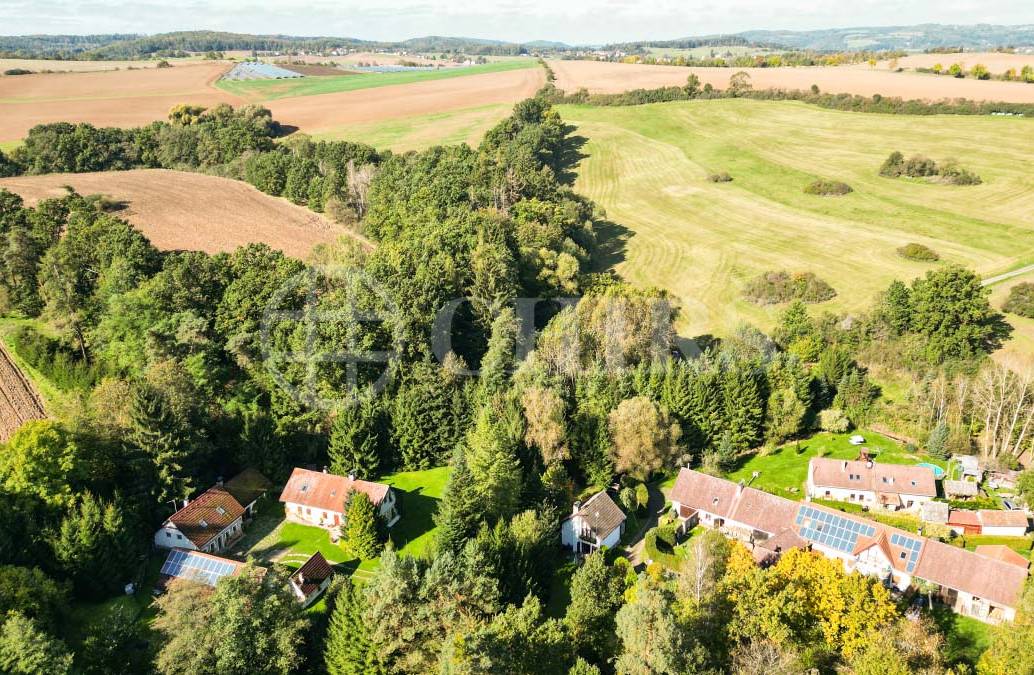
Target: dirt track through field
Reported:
point(188, 211)
point(605, 77)
point(121, 98)
point(19, 401)
point(330, 111)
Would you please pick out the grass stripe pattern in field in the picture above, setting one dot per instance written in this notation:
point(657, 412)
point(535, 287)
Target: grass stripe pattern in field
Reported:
point(648, 167)
point(419, 132)
point(267, 90)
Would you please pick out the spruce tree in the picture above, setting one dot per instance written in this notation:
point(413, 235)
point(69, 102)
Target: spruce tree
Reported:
point(937, 444)
point(493, 463)
point(597, 592)
point(460, 508)
point(154, 431)
point(498, 361)
point(349, 650)
point(744, 406)
point(354, 447)
point(361, 532)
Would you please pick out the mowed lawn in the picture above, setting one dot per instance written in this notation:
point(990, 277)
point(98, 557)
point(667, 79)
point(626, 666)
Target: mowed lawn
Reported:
point(648, 167)
point(267, 90)
point(292, 543)
point(787, 467)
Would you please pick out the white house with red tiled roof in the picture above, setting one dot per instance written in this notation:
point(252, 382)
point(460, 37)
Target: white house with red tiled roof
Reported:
point(209, 523)
point(871, 484)
point(318, 498)
point(984, 587)
point(311, 579)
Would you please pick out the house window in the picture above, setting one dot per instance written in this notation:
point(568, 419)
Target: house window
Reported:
point(827, 493)
point(902, 555)
point(168, 535)
point(179, 536)
point(308, 511)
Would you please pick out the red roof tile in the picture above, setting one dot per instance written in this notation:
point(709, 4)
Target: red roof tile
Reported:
point(963, 517)
point(310, 575)
point(1003, 553)
point(986, 578)
point(327, 491)
point(990, 518)
point(873, 476)
point(210, 513)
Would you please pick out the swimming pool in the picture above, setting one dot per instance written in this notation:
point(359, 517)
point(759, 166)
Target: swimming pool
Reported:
point(937, 471)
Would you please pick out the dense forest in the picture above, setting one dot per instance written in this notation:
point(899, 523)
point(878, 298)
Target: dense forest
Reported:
point(179, 376)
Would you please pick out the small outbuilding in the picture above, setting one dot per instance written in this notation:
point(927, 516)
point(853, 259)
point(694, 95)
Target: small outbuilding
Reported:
point(960, 489)
point(969, 465)
point(311, 579)
point(248, 487)
point(934, 512)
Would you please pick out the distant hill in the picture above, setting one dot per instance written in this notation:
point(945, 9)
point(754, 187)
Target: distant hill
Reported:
point(920, 37)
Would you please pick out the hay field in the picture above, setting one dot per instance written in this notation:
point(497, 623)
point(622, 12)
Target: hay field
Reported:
point(267, 90)
point(120, 98)
point(331, 113)
point(605, 77)
point(418, 132)
point(648, 166)
point(191, 211)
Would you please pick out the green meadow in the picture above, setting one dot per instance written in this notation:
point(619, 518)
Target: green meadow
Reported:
point(267, 90)
point(648, 166)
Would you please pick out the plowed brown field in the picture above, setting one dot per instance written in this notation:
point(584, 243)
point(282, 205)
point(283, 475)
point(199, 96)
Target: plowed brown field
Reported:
point(119, 98)
point(605, 77)
point(19, 401)
point(190, 211)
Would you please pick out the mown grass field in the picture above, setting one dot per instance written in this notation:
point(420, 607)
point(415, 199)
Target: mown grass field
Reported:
point(419, 132)
point(701, 241)
point(266, 90)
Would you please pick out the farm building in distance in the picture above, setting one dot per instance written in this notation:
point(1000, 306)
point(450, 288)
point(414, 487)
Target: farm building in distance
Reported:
point(318, 498)
point(985, 588)
point(887, 486)
point(598, 522)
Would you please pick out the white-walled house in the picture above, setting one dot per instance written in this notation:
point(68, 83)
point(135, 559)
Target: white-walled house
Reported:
point(318, 498)
point(871, 484)
point(989, 522)
point(209, 523)
point(979, 586)
point(598, 522)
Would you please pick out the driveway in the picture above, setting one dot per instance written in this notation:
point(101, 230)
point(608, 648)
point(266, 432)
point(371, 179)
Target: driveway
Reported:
point(654, 508)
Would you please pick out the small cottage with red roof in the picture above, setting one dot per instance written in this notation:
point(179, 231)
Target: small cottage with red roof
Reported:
point(311, 579)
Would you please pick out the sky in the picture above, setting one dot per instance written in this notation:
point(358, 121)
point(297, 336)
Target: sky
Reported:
point(570, 21)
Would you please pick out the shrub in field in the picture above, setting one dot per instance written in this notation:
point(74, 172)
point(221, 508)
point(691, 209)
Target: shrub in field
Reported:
point(950, 172)
point(1021, 300)
point(918, 166)
point(721, 177)
point(918, 252)
point(781, 286)
point(17, 71)
point(834, 421)
point(828, 188)
point(893, 166)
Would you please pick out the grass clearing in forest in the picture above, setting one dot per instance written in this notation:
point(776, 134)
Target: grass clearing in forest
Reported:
point(701, 241)
point(266, 90)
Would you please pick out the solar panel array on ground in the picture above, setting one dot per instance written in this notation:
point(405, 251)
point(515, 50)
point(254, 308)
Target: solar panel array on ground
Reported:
point(827, 529)
point(910, 544)
point(203, 569)
point(251, 70)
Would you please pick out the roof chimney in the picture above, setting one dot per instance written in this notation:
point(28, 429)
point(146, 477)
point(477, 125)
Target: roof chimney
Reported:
point(577, 506)
point(219, 481)
point(324, 469)
point(843, 467)
point(351, 475)
point(739, 488)
point(868, 464)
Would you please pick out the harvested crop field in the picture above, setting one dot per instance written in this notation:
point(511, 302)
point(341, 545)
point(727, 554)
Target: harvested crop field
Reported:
point(648, 166)
point(605, 77)
point(333, 112)
point(56, 66)
point(996, 62)
point(19, 401)
point(120, 98)
point(189, 211)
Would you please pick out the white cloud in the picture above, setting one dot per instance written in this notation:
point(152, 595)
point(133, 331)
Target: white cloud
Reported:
point(573, 21)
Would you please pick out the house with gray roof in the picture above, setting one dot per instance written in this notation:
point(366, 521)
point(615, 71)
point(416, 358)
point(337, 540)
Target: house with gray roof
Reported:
point(597, 522)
